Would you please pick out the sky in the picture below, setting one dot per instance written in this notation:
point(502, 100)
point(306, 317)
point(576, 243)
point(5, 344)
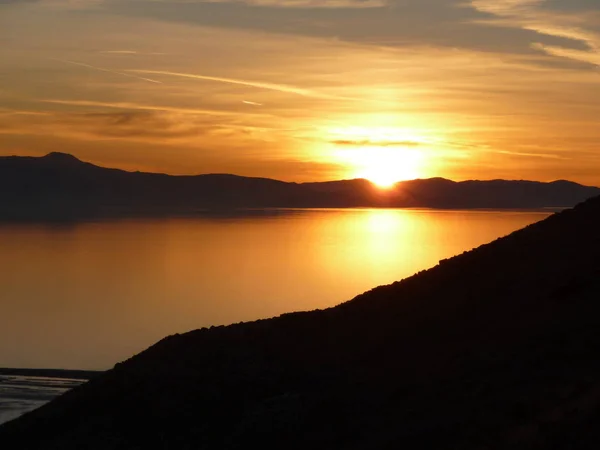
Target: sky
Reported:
point(307, 90)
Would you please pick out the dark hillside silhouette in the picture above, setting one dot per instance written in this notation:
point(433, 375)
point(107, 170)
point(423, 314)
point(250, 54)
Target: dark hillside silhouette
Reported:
point(61, 186)
point(496, 348)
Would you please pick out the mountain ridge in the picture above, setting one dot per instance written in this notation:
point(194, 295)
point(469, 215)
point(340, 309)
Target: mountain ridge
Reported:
point(63, 157)
point(60, 185)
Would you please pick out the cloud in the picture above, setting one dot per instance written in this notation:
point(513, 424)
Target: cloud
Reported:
point(120, 52)
point(142, 107)
point(577, 25)
point(135, 125)
point(10, 112)
point(530, 154)
point(248, 102)
point(591, 57)
point(146, 125)
point(101, 69)
point(368, 143)
point(256, 84)
point(401, 23)
point(325, 4)
point(60, 4)
point(294, 4)
point(130, 53)
point(154, 124)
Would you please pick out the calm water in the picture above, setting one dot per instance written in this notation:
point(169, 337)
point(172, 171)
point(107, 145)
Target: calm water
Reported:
point(88, 295)
point(20, 394)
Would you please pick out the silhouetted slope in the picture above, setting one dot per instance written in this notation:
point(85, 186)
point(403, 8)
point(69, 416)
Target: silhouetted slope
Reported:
point(494, 349)
point(59, 185)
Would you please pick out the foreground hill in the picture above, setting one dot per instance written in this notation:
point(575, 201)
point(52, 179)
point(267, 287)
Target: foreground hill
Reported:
point(494, 349)
point(60, 185)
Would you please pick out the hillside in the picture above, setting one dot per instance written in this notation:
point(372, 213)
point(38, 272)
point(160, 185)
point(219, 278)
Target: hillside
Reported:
point(496, 348)
point(61, 186)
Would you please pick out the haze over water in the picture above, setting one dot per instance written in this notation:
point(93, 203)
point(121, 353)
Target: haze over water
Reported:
point(88, 295)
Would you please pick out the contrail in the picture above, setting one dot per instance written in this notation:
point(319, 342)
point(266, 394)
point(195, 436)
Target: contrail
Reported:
point(125, 105)
point(120, 52)
point(256, 84)
point(536, 155)
point(75, 63)
point(130, 52)
point(248, 102)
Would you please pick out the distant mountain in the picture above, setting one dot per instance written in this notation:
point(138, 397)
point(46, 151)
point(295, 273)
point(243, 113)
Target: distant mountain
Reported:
point(494, 349)
point(61, 185)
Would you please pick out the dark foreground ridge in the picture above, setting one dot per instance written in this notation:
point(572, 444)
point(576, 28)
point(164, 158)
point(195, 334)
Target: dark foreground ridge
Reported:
point(60, 186)
point(494, 349)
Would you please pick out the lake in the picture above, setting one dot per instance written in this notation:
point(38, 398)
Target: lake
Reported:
point(21, 394)
point(85, 295)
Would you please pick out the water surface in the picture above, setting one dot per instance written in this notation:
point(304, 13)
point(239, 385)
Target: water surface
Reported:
point(21, 394)
point(87, 295)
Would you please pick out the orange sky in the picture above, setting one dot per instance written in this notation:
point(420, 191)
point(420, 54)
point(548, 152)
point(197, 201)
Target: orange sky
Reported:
point(304, 90)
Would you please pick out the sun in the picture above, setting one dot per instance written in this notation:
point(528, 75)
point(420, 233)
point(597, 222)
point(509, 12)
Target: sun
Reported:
point(386, 166)
point(381, 155)
point(383, 166)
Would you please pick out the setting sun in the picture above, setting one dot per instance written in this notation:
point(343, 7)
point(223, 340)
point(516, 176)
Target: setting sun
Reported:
point(386, 166)
point(382, 155)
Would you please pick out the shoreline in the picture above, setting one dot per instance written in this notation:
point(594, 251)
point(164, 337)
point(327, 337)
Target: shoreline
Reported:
point(51, 373)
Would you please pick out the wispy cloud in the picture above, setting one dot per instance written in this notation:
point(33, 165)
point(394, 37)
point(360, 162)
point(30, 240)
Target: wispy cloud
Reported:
point(59, 4)
point(255, 84)
point(535, 16)
point(8, 2)
point(11, 112)
point(119, 52)
point(140, 107)
point(591, 57)
point(297, 4)
point(102, 69)
point(531, 154)
point(312, 4)
point(131, 52)
point(137, 125)
point(368, 143)
point(324, 4)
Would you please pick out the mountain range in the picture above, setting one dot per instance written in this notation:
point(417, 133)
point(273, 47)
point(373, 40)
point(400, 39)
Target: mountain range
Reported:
point(496, 348)
point(60, 185)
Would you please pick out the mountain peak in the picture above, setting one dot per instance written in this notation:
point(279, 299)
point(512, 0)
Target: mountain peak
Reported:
point(63, 158)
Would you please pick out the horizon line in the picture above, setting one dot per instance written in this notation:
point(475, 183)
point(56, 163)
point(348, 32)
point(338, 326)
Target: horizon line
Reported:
point(70, 155)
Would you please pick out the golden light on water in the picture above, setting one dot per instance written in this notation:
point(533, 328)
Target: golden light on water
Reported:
point(142, 292)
